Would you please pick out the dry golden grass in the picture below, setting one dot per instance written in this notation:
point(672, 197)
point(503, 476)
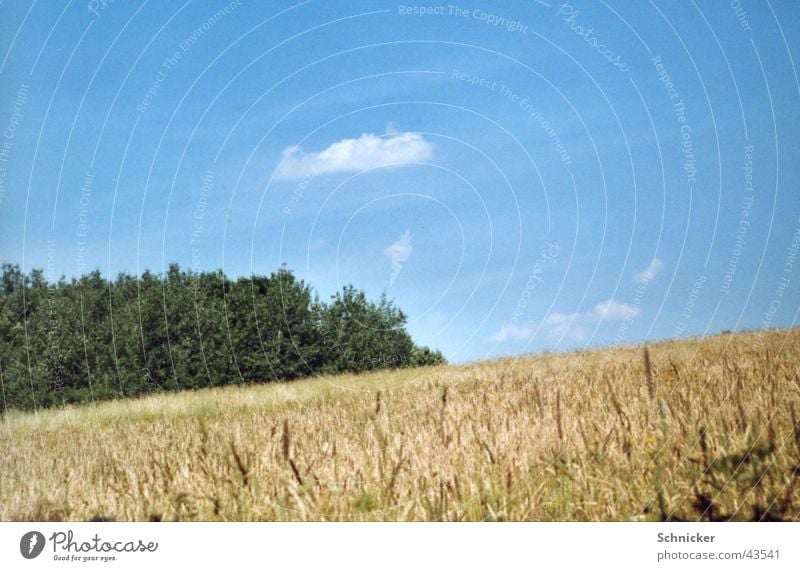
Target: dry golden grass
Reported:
point(697, 429)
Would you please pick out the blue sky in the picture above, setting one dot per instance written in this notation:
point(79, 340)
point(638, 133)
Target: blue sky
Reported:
point(518, 176)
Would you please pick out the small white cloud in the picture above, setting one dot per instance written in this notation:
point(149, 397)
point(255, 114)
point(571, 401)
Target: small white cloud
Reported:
point(317, 244)
point(352, 155)
point(511, 332)
point(435, 318)
point(649, 273)
point(398, 252)
point(569, 330)
point(557, 318)
point(612, 310)
point(566, 325)
point(574, 326)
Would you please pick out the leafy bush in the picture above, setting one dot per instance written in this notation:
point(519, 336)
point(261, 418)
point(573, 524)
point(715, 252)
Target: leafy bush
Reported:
point(426, 357)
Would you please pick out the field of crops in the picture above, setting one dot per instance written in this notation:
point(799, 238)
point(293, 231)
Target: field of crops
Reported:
point(685, 430)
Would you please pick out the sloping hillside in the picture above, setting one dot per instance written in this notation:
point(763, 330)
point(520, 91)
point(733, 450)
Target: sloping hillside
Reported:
point(708, 431)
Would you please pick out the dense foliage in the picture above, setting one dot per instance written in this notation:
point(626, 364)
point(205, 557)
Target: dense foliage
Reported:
point(91, 339)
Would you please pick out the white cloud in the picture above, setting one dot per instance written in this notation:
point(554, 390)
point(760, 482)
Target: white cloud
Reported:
point(351, 155)
point(612, 310)
point(317, 244)
point(571, 326)
point(649, 273)
point(511, 332)
point(557, 318)
point(566, 325)
point(570, 330)
point(574, 326)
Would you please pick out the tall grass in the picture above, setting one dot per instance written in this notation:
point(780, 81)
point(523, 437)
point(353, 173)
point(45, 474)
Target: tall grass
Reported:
point(690, 430)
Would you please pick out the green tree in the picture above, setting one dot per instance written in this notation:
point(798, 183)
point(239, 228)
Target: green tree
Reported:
point(92, 338)
point(360, 335)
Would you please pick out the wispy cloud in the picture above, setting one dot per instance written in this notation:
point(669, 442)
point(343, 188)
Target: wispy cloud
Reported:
point(612, 310)
point(566, 325)
point(511, 332)
point(557, 318)
point(649, 273)
point(398, 252)
point(352, 155)
point(575, 326)
point(571, 331)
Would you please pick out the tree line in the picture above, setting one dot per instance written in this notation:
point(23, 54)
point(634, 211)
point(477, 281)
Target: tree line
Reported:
point(90, 339)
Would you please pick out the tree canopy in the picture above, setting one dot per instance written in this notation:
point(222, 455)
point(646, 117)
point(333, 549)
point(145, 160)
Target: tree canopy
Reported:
point(91, 339)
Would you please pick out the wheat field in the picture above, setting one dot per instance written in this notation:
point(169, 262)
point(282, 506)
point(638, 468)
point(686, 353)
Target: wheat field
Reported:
point(701, 429)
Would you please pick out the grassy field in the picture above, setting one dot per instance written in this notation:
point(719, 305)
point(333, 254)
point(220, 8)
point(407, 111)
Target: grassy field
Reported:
point(689, 430)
